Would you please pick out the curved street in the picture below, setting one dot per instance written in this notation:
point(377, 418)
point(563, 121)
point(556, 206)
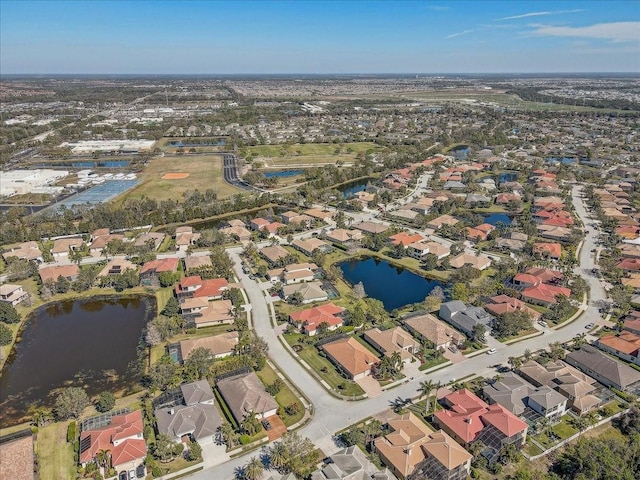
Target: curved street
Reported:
point(331, 414)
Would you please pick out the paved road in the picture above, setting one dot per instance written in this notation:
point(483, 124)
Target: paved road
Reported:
point(331, 414)
point(230, 173)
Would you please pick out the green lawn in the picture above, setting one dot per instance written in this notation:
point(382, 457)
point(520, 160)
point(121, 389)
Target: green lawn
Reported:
point(55, 455)
point(312, 149)
point(563, 430)
point(284, 397)
point(522, 333)
point(432, 363)
point(330, 375)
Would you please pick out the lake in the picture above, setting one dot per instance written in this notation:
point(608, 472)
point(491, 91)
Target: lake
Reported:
point(72, 343)
point(494, 218)
point(394, 286)
point(350, 189)
point(283, 173)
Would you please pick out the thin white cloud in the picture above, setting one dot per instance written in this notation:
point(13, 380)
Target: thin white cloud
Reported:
point(438, 8)
point(538, 14)
point(615, 31)
point(458, 34)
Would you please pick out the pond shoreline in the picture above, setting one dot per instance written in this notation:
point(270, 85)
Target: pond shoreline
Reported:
point(87, 341)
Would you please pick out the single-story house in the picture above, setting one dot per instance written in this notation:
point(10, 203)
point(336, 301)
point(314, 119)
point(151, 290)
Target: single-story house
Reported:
point(309, 245)
point(310, 291)
point(220, 346)
point(25, 251)
point(62, 246)
point(51, 273)
point(603, 368)
point(435, 331)
point(479, 262)
point(186, 237)
point(387, 342)
point(354, 360)
point(246, 395)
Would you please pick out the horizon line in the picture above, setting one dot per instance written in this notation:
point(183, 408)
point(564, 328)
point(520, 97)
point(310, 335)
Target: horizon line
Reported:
point(628, 72)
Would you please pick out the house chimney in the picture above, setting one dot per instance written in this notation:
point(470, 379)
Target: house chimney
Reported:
point(172, 411)
point(469, 420)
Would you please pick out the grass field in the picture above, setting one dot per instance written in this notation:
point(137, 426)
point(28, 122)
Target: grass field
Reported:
point(309, 154)
point(204, 172)
point(55, 455)
point(324, 368)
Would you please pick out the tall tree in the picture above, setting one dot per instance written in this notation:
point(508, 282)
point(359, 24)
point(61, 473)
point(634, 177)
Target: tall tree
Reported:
point(253, 469)
point(425, 389)
point(71, 402)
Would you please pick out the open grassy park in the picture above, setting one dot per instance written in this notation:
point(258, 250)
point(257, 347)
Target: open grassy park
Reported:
point(204, 172)
point(310, 154)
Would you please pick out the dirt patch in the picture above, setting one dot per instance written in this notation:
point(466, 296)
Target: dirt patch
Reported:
point(175, 176)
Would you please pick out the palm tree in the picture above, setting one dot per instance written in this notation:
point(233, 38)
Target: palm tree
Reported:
point(227, 432)
point(278, 455)
point(396, 362)
point(253, 469)
point(425, 389)
point(104, 458)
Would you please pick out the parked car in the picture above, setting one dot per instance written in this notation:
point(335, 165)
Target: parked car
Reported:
point(266, 424)
point(542, 323)
point(453, 349)
point(589, 326)
point(491, 351)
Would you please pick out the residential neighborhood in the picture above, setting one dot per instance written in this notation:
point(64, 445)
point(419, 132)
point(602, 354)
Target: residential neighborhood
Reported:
point(454, 295)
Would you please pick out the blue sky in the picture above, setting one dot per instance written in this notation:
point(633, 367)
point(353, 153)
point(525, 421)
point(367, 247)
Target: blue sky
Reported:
point(218, 37)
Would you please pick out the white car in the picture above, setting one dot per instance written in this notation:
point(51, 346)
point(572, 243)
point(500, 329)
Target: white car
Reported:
point(491, 351)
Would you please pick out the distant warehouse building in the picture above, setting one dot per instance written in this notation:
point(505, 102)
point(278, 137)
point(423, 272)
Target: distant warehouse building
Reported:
point(109, 146)
point(20, 182)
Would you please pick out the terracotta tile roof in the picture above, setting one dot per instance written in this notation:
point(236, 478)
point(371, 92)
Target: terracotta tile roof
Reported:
point(625, 342)
point(545, 293)
point(353, 357)
point(631, 264)
point(54, 271)
point(159, 266)
point(405, 238)
point(553, 249)
point(211, 287)
point(468, 416)
point(312, 318)
point(545, 275)
point(125, 429)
